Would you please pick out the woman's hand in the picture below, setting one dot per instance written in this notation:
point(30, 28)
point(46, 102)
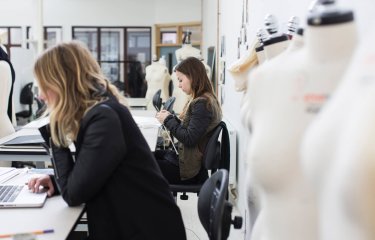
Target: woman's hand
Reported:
point(162, 115)
point(45, 181)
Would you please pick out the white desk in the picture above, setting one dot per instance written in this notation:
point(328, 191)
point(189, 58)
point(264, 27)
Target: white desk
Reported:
point(55, 214)
point(140, 103)
point(145, 120)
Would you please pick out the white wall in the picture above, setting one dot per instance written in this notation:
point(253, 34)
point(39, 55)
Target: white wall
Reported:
point(167, 11)
point(230, 24)
point(209, 25)
point(100, 12)
point(68, 13)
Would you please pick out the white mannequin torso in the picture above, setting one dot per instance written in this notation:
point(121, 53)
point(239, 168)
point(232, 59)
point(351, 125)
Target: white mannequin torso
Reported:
point(342, 171)
point(253, 200)
point(261, 56)
point(181, 97)
point(6, 126)
point(208, 69)
point(187, 50)
point(157, 77)
point(275, 49)
point(240, 69)
point(284, 97)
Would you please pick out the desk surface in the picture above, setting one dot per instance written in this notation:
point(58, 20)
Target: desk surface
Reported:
point(145, 119)
point(138, 102)
point(55, 214)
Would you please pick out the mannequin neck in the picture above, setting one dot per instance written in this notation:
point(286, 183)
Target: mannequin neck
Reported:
point(275, 49)
point(330, 41)
point(261, 56)
point(296, 43)
point(187, 45)
point(157, 63)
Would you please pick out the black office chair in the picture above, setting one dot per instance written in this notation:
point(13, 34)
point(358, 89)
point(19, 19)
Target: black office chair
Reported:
point(42, 107)
point(216, 156)
point(27, 98)
point(168, 105)
point(156, 100)
point(214, 211)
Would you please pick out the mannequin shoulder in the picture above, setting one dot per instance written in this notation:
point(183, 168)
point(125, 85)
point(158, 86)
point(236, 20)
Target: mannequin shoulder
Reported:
point(4, 66)
point(5, 71)
point(156, 71)
point(187, 51)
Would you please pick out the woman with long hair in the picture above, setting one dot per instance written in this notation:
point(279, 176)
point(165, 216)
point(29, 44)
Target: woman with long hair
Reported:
point(113, 172)
point(192, 128)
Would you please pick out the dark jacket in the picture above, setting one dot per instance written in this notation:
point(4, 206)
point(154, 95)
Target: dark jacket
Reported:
point(117, 177)
point(193, 134)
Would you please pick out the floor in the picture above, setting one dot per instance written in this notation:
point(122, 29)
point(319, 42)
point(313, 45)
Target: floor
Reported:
point(194, 229)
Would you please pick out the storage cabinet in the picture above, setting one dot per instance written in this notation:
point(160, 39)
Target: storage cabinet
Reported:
point(170, 37)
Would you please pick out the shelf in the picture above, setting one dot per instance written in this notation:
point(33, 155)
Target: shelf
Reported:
point(173, 33)
point(169, 37)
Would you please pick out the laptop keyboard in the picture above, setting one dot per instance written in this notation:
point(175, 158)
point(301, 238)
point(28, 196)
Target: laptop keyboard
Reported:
point(9, 193)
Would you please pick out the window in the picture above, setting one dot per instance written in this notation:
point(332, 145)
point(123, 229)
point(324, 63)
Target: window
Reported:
point(52, 35)
point(11, 37)
point(122, 52)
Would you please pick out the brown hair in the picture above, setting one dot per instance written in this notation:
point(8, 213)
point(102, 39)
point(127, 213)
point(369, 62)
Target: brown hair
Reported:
point(71, 72)
point(201, 85)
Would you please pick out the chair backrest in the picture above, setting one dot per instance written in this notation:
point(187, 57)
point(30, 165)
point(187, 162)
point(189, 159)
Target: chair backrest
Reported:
point(156, 100)
point(212, 206)
point(217, 151)
point(27, 95)
point(168, 105)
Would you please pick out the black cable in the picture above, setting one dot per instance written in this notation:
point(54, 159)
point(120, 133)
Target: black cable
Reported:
point(192, 232)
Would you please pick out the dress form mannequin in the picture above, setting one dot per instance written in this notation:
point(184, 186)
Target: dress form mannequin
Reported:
point(6, 83)
point(253, 202)
point(157, 77)
point(271, 46)
point(187, 50)
point(208, 68)
point(285, 94)
point(293, 24)
point(181, 97)
point(259, 49)
point(342, 172)
point(240, 68)
point(276, 43)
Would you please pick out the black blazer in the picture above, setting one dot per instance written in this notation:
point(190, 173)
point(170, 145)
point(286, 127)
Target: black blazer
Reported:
point(116, 175)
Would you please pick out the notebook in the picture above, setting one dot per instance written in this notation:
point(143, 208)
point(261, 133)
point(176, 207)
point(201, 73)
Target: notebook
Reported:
point(17, 195)
point(27, 141)
point(7, 173)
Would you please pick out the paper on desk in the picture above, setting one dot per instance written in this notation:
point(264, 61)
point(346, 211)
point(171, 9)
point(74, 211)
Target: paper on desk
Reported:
point(37, 123)
point(146, 122)
point(9, 173)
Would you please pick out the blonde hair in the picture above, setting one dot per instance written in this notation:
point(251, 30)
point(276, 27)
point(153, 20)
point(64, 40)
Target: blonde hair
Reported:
point(70, 72)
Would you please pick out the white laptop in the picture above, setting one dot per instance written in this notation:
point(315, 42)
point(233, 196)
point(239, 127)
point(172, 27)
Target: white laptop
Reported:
point(17, 195)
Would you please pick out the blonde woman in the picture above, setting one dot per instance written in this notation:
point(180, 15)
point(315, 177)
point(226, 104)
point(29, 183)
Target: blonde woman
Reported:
point(114, 172)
